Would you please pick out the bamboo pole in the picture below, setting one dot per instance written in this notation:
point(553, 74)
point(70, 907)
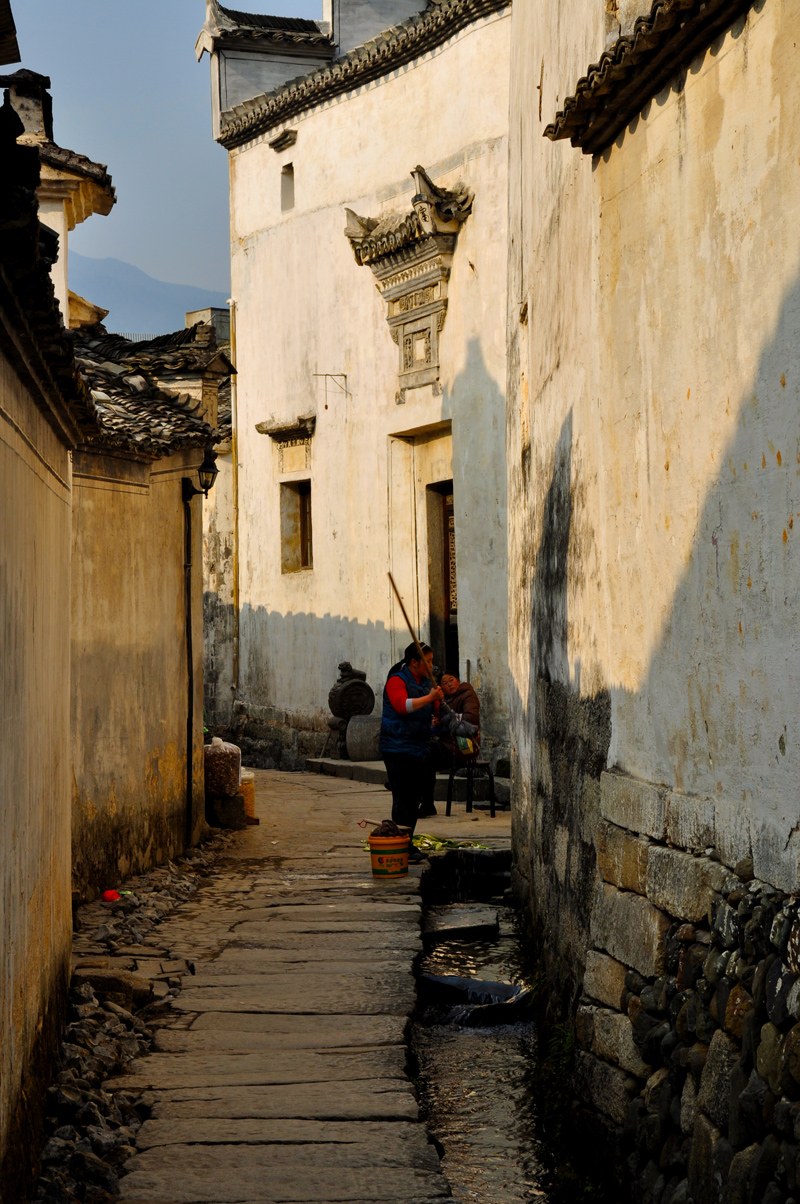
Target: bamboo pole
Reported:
point(413, 634)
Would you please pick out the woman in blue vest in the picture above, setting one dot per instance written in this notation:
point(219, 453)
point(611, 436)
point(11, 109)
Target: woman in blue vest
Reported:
point(410, 702)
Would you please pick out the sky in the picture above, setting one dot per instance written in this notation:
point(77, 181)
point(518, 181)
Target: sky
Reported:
point(128, 91)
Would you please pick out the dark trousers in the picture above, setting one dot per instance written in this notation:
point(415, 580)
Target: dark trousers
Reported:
point(411, 781)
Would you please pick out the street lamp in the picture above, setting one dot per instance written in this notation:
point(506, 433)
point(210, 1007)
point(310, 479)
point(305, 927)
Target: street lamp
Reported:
point(207, 475)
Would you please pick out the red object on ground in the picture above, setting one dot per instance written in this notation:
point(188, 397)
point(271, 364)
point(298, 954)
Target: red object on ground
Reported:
point(111, 896)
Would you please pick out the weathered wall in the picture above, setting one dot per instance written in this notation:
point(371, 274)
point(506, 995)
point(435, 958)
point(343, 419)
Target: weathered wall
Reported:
point(35, 913)
point(304, 306)
point(699, 307)
point(653, 462)
point(219, 616)
point(129, 668)
point(559, 697)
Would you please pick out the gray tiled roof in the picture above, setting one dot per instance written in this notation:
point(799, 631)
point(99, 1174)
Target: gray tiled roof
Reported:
point(9, 47)
point(224, 412)
point(232, 24)
point(257, 21)
point(67, 160)
point(129, 385)
point(391, 49)
point(33, 331)
point(637, 67)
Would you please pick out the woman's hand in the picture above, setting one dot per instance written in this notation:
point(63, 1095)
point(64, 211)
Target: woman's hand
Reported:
point(436, 694)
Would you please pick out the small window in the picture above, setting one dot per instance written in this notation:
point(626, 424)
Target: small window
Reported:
point(287, 187)
point(296, 538)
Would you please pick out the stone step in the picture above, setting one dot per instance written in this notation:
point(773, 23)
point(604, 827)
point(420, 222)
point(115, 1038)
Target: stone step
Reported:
point(374, 772)
point(461, 921)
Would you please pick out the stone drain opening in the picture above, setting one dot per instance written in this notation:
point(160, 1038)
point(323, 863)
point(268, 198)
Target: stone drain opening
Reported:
point(473, 1042)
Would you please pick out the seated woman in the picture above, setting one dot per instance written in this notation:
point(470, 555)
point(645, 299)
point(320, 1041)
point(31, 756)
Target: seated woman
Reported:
point(462, 699)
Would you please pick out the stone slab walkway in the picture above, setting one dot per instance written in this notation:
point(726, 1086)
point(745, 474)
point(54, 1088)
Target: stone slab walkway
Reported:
point(279, 1073)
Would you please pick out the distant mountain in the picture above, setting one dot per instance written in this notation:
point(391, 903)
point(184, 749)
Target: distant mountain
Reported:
point(137, 303)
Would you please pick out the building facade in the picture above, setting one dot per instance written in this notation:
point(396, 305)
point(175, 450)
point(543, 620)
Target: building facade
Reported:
point(368, 236)
point(43, 407)
point(653, 395)
point(100, 596)
point(137, 615)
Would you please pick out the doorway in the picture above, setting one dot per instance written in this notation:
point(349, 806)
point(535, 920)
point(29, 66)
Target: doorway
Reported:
point(442, 576)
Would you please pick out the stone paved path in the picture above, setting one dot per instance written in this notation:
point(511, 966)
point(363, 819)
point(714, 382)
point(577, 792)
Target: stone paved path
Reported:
point(280, 1073)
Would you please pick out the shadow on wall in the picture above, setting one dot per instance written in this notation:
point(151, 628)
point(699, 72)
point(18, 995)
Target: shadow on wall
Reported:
point(717, 715)
point(274, 736)
point(477, 407)
point(219, 631)
point(716, 712)
point(288, 662)
point(571, 736)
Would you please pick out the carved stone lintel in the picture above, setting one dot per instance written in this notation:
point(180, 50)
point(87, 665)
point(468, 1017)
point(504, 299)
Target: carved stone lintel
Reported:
point(410, 256)
point(284, 432)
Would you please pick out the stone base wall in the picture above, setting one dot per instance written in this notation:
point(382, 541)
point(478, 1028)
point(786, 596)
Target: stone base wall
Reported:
point(688, 1029)
point(272, 738)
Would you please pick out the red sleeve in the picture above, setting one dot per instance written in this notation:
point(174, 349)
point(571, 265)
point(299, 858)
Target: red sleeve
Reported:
point(398, 694)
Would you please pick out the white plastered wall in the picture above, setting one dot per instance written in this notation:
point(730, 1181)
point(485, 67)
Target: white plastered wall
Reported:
point(305, 307)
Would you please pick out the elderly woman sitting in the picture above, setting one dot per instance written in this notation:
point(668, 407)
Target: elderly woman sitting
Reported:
point(462, 699)
point(448, 748)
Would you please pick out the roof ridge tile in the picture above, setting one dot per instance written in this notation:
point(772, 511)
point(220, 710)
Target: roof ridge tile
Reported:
point(392, 48)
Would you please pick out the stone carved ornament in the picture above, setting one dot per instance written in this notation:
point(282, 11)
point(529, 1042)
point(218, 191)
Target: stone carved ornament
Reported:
point(410, 256)
point(350, 695)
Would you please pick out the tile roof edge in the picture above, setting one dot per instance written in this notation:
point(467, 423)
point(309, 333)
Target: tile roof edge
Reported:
point(33, 337)
point(223, 23)
point(636, 68)
point(393, 47)
point(68, 160)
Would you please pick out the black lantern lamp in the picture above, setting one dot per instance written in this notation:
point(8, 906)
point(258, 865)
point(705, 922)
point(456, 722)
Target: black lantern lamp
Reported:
point(207, 475)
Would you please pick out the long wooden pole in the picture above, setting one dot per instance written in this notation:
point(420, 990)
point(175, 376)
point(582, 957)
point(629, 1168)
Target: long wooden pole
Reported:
point(413, 634)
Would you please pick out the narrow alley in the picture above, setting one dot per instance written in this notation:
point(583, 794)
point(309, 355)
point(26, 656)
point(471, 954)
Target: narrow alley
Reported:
point(399, 395)
point(279, 1072)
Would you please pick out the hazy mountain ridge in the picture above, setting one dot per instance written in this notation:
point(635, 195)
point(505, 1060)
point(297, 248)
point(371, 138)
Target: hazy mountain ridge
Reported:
point(137, 303)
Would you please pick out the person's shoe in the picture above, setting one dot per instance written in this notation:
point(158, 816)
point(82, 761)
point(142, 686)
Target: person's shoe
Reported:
point(427, 811)
point(415, 856)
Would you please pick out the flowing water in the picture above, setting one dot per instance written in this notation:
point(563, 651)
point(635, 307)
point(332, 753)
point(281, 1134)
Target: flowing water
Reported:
point(475, 1082)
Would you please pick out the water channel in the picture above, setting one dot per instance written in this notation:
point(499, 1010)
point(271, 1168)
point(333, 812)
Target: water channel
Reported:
point(474, 1082)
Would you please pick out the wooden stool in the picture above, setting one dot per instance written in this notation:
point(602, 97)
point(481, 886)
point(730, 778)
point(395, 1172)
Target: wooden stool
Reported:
point(483, 767)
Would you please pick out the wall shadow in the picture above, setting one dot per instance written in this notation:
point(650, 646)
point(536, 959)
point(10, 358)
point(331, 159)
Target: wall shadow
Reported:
point(476, 406)
point(312, 645)
point(570, 739)
point(716, 716)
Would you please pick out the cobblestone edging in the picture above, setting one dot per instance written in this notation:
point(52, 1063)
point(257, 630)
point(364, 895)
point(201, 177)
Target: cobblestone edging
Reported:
point(688, 1032)
point(122, 980)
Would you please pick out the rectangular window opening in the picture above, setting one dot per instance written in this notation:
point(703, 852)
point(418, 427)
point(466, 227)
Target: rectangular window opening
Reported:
point(296, 532)
point(287, 187)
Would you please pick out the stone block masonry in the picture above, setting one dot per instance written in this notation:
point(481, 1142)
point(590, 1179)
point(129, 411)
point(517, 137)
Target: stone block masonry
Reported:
point(632, 804)
point(683, 885)
point(628, 927)
point(697, 1067)
point(688, 1031)
point(622, 858)
point(604, 979)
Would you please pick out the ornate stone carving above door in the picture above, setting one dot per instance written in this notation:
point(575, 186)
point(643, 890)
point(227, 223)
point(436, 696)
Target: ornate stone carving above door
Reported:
point(410, 256)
